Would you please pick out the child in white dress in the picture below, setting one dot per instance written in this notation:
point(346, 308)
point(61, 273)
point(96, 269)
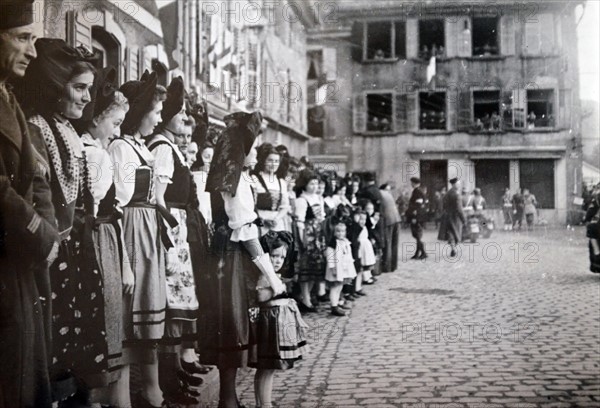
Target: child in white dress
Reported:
point(340, 267)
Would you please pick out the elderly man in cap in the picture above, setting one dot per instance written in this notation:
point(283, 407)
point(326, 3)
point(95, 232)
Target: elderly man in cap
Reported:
point(28, 236)
point(453, 217)
point(414, 216)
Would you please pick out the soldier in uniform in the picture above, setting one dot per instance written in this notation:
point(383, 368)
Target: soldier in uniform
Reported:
point(414, 216)
point(28, 236)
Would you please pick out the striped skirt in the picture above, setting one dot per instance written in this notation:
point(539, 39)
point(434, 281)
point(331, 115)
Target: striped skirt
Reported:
point(280, 335)
point(144, 311)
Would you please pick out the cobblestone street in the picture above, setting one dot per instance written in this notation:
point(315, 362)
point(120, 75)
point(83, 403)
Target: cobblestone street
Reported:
point(513, 322)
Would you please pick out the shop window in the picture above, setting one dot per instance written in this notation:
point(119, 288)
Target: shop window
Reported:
point(486, 110)
point(485, 36)
point(379, 112)
point(538, 177)
point(492, 177)
point(432, 110)
point(540, 108)
point(431, 39)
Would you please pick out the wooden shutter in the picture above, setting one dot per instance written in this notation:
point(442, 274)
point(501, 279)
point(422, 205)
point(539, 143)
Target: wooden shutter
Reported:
point(412, 38)
point(330, 63)
point(451, 112)
point(507, 35)
point(412, 112)
point(519, 108)
point(356, 41)
point(133, 63)
point(400, 113)
point(359, 113)
point(532, 40)
point(546, 27)
point(565, 104)
point(464, 105)
point(463, 37)
point(80, 30)
point(451, 34)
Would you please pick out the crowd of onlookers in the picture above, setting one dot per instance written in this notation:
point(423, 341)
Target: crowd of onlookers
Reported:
point(135, 232)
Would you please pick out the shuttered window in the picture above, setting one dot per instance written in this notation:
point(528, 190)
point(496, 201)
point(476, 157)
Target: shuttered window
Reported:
point(539, 38)
point(507, 35)
point(79, 29)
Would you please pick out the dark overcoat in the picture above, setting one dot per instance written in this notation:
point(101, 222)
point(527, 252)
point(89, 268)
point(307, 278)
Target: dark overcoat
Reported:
point(27, 234)
point(453, 217)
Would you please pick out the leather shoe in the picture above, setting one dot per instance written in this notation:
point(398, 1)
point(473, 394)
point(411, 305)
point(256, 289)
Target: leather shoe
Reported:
point(337, 311)
point(195, 367)
point(306, 309)
point(189, 379)
point(361, 293)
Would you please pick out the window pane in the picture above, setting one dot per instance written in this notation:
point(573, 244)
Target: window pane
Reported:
point(540, 108)
point(432, 110)
point(379, 108)
point(485, 36)
point(379, 40)
point(486, 110)
point(431, 38)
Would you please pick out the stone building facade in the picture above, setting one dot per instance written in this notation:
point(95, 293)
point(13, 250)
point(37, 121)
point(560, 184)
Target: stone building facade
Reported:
point(488, 93)
point(126, 34)
point(245, 55)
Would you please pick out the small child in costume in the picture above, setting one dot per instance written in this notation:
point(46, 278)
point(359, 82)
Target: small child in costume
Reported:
point(340, 267)
point(362, 250)
point(280, 330)
point(366, 253)
point(234, 157)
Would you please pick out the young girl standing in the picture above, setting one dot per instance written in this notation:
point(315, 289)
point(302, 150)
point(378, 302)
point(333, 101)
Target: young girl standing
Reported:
point(340, 267)
point(366, 254)
point(280, 331)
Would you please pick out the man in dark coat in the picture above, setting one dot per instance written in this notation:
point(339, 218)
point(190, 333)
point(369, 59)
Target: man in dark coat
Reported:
point(28, 236)
point(453, 218)
point(414, 216)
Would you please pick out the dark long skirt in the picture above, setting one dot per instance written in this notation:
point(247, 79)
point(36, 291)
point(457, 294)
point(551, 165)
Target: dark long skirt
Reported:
point(79, 347)
point(226, 295)
point(311, 259)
